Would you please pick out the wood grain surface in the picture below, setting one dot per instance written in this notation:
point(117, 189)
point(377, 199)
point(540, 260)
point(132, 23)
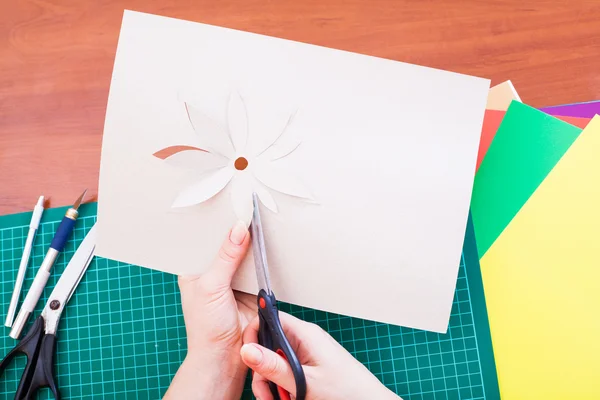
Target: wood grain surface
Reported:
point(56, 59)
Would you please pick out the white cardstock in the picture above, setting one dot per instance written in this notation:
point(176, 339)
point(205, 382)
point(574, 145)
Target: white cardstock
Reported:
point(364, 166)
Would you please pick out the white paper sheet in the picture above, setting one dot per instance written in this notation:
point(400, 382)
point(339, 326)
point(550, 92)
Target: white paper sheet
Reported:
point(386, 150)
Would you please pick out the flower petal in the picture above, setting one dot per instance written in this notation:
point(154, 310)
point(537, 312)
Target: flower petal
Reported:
point(212, 134)
point(204, 189)
point(265, 197)
point(196, 160)
point(281, 181)
point(241, 196)
point(237, 120)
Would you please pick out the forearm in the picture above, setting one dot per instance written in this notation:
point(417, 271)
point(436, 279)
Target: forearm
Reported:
point(202, 377)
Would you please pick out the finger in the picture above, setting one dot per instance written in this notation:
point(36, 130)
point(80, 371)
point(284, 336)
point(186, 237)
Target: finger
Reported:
point(269, 365)
point(260, 388)
point(250, 334)
point(295, 330)
point(288, 323)
point(230, 256)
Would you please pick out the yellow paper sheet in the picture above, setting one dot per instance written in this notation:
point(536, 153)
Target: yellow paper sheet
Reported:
point(501, 95)
point(542, 284)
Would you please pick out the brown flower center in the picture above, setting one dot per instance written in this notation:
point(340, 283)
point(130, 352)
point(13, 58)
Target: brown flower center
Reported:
point(240, 163)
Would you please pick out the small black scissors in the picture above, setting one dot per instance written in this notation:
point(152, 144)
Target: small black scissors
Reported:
point(270, 332)
point(39, 345)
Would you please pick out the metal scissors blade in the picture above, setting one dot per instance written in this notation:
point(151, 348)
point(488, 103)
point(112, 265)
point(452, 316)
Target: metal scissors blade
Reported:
point(258, 249)
point(70, 278)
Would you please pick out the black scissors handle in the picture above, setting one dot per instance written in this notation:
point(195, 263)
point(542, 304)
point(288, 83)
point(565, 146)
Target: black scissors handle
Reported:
point(39, 370)
point(271, 336)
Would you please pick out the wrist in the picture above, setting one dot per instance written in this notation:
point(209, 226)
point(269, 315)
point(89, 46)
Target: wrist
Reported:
point(215, 363)
point(383, 392)
point(369, 387)
point(208, 375)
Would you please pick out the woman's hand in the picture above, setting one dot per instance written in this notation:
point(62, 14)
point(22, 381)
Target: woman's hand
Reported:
point(215, 318)
point(331, 372)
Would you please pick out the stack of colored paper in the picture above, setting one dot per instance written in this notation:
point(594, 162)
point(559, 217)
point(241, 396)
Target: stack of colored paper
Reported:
point(536, 212)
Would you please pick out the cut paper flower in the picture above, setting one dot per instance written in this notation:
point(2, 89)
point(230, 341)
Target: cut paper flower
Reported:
point(224, 158)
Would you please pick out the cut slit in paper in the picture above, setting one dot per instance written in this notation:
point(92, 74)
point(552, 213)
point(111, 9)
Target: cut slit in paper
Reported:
point(285, 151)
point(278, 137)
point(286, 143)
point(196, 160)
point(171, 150)
point(223, 161)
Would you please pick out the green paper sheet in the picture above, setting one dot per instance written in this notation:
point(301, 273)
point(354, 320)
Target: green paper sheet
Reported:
point(526, 147)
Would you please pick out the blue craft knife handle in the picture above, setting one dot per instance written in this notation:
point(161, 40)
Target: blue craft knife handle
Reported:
point(64, 230)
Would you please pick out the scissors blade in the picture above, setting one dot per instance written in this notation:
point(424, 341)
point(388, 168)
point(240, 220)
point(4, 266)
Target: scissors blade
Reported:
point(70, 278)
point(258, 249)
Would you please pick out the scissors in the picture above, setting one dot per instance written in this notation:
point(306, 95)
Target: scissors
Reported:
point(270, 332)
point(39, 345)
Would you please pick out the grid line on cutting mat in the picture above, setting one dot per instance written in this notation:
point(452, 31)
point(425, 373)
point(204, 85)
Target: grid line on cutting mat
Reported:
point(122, 334)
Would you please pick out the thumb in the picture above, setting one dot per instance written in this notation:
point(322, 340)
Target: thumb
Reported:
point(269, 365)
point(230, 255)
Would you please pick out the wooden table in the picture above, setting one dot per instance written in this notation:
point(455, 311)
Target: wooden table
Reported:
point(56, 59)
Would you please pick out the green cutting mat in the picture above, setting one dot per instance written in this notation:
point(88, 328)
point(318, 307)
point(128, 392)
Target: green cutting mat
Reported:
point(122, 334)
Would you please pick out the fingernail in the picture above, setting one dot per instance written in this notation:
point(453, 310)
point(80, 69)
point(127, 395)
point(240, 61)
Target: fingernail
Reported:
point(238, 233)
point(252, 354)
